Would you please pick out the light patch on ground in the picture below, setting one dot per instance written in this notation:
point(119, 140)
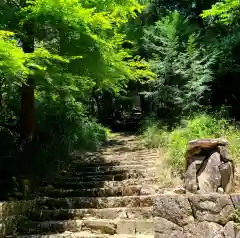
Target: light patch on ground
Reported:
point(165, 175)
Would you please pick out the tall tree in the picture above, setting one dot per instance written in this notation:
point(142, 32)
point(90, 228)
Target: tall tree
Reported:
point(182, 65)
point(27, 116)
point(78, 34)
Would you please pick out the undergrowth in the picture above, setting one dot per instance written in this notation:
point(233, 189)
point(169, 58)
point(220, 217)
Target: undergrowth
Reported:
point(62, 129)
point(174, 142)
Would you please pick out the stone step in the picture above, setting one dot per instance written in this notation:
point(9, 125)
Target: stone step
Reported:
point(106, 168)
point(118, 155)
point(92, 202)
point(144, 170)
point(83, 234)
point(76, 184)
point(129, 160)
point(117, 152)
point(107, 177)
point(100, 226)
point(105, 213)
point(83, 163)
point(116, 191)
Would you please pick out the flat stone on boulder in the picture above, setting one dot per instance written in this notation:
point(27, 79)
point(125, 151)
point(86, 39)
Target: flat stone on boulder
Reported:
point(207, 143)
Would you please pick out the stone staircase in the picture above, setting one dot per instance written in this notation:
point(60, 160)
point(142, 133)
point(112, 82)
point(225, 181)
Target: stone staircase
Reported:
point(106, 194)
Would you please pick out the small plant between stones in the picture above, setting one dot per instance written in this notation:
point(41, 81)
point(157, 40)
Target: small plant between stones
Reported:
point(236, 215)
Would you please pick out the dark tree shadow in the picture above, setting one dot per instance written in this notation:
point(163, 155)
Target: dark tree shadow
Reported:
point(65, 188)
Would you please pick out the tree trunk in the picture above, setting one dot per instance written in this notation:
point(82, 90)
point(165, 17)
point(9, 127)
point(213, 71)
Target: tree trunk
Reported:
point(27, 112)
point(198, 12)
point(27, 91)
point(107, 108)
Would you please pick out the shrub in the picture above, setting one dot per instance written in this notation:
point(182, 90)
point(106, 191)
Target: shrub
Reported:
point(153, 134)
point(236, 215)
point(62, 128)
point(175, 142)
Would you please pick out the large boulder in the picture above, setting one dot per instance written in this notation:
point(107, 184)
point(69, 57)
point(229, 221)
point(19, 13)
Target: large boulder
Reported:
point(227, 176)
point(212, 207)
point(191, 182)
point(195, 216)
point(174, 208)
point(167, 229)
point(203, 230)
point(208, 168)
point(235, 199)
point(229, 230)
point(209, 176)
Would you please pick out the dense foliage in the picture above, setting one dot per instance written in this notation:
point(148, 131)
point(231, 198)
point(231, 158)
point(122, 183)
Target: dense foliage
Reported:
point(71, 68)
point(193, 48)
point(58, 59)
point(182, 65)
point(172, 144)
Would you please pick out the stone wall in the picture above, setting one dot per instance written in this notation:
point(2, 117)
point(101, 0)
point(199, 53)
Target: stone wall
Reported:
point(196, 216)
